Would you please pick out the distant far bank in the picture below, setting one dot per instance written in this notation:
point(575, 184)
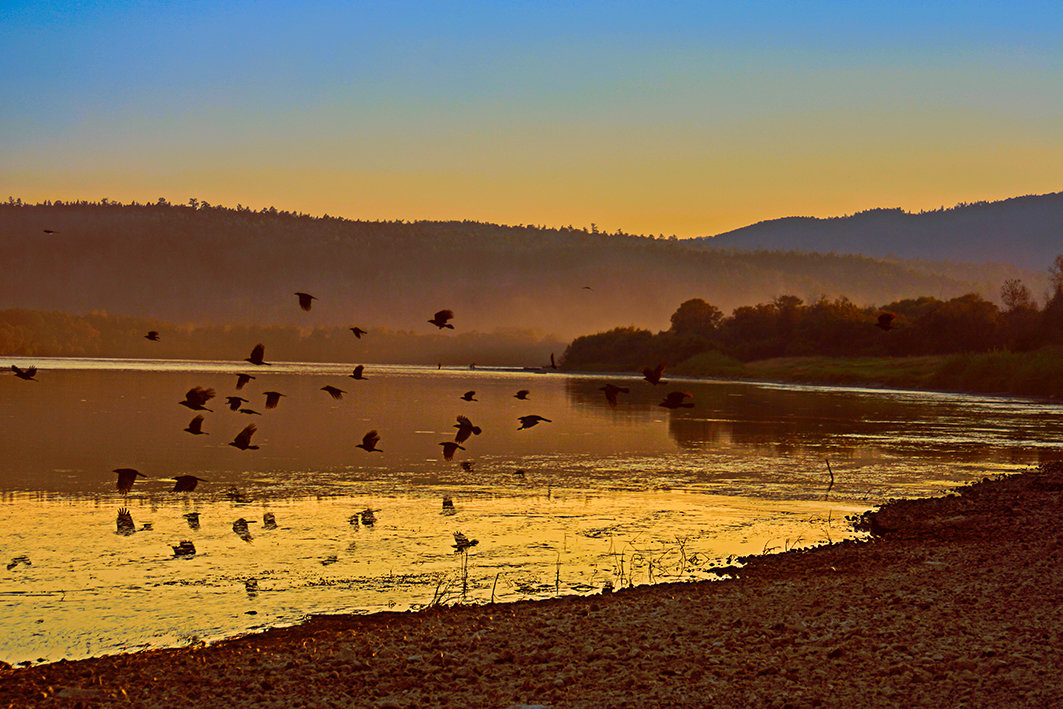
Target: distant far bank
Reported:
point(34, 333)
point(1037, 374)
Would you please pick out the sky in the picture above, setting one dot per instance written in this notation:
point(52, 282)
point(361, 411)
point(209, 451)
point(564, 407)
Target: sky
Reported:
point(685, 118)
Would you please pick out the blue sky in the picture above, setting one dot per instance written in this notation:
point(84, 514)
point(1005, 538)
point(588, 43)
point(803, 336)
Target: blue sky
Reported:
point(687, 118)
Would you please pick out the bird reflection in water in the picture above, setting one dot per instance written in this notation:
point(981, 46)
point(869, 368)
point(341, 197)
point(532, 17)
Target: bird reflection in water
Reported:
point(241, 529)
point(448, 506)
point(269, 521)
point(21, 559)
point(193, 520)
point(251, 586)
point(611, 392)
point(185, 549)
point(368, 517)
point(125, 523)
point(235, 494)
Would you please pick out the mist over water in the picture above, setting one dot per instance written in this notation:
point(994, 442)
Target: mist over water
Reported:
point(631, 494)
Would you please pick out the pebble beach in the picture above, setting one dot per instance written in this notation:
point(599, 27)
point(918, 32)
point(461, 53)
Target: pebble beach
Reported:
point(952, 601)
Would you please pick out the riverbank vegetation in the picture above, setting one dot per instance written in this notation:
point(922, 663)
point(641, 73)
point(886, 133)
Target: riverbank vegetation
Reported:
point(965, 343)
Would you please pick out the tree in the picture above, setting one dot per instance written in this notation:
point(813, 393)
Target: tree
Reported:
point(697, 318)
point(1015, 295)
point(1055, 273)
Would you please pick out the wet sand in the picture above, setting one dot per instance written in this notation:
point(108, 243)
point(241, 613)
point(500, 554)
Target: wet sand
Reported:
point(956, 601)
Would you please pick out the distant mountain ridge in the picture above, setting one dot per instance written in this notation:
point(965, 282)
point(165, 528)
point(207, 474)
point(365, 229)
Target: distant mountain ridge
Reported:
point(203, 264)
point(1024, 231)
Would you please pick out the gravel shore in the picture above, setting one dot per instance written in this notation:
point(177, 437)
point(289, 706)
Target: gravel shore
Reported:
point(956, 601)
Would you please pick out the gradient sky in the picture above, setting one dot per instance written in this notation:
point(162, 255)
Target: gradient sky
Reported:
point(688, 118)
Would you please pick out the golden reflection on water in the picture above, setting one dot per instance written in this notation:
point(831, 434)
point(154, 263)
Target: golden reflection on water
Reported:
point(631, 494)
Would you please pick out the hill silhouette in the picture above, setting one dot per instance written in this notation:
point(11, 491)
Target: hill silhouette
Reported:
point(1024, 231)
point(207, 265)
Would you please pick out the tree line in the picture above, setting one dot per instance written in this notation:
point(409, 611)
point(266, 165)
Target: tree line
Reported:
point(34, 333)
point(786, 326)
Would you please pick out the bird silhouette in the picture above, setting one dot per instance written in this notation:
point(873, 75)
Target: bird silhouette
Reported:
point(20, 559)
point(469, 395)
point(369, 442)
point(235, 494)
point(269, 520)
point(250, 412)
point(242, 379)
point(368, 517)
point(466, 465)
point(125, 523)
point(358, 373)
point(676, 400)
point(126, 478)
point(28, 373)
point(49, 231)
point(611, 391)
point(440, 319)
point(653, 376)
point(465, 429)
point(532, 420)
point(187, 483)
point(257, 353)
point(184, 549)
point(193, 520)
point(885, 320)
point(233, 402)
point(272, 399)
point(152, 335)
point(305, 300)
point(195, 426)
point(448, 449)
point(461, 542)
point(358, 332)
point(243, 438)
point(241, 530)
point(333, 391)
point(522, 394)
point(196, 397)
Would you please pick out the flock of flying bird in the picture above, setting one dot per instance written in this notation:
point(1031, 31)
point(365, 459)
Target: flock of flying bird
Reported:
point(197, 398)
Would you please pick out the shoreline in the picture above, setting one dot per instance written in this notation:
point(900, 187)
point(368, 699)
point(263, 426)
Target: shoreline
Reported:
point(954, 602)
point(219, 366)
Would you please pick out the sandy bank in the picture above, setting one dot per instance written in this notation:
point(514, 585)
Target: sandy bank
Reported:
point(959, 602)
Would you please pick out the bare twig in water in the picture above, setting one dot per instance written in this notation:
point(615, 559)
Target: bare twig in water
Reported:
point(557, 576)
point(493, 586)
point(831, 485)
point(443, 592)
point(464, 573)
point(682, 542)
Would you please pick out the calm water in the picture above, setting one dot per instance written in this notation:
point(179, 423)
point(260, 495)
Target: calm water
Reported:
point(631, 494)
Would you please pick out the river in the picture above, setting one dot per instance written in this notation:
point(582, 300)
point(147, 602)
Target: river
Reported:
point(598, 495)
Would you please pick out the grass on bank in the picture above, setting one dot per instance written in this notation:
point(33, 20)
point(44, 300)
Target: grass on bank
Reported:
point(1038, 373)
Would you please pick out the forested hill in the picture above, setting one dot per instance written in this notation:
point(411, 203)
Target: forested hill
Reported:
point(203, 264)
point(1024, 231)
